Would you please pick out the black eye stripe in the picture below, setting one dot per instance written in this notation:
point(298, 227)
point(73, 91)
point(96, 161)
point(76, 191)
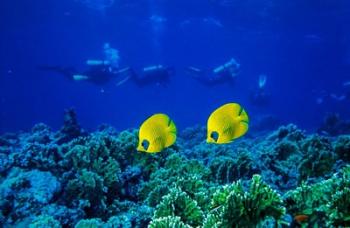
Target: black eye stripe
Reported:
point(214, 135)
point(145, 144)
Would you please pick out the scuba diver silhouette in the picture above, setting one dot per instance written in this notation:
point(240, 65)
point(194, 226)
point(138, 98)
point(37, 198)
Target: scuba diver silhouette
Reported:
point(219, 75)
point(259, 96)
point(150, 75)
point(99, 72)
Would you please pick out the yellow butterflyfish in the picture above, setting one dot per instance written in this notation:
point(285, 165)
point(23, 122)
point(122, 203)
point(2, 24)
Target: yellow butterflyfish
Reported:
point(156, 133)
point(227, 123)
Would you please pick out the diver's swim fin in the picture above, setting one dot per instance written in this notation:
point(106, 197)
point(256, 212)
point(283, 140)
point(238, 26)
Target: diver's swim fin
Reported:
point(79, 77)
point(121, 82)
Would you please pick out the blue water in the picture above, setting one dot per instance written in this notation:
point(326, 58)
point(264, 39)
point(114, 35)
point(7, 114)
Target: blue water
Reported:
point(302, 46)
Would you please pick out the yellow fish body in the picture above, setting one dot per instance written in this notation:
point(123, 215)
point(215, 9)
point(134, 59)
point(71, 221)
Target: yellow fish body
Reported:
point(227, 123)
point(156, 133)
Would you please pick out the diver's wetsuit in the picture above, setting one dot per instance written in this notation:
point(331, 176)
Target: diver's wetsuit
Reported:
point(157, 75)
point(99, 74)
point(211, 79)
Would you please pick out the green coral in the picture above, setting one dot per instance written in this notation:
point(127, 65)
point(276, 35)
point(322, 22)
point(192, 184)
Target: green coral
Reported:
point(338, 209)
point(45, 221)
point(191, 175)
point(178, 203)
point(231, 206)
point(96, 164)
point(326, 202)
point(212, 220)
point(168, 222)
point(88, 186)
point(234, 207)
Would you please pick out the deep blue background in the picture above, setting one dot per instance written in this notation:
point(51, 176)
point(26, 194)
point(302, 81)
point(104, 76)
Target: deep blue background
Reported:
point(302, 46)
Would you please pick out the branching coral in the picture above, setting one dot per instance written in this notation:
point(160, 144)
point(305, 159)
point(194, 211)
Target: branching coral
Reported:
point(227, 169)
point(318, 157)
point(88, 185)
point(279, 158)
point(72, 178)
point(338, 209)
point(178, 203)
point(342, 148)
point(168, 222)
point(23, 193)
point(45, 221)
point(71, 128)
point(234, 207)
point(289, 132)
point(187, 174)
point(326, 202)
point(90, 223)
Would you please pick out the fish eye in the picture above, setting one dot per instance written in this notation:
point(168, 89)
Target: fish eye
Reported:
point(214, 135)
point(145, 144)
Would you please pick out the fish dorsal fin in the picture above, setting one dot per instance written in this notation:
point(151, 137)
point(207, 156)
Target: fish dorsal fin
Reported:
point(243, 116)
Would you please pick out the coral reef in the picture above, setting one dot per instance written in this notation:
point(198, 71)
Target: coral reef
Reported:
point(326, 202)
point(226, 169)
point(231, 206)
point(342, 148)
point(72, 178)
point(166, 222)
point(318, 157)
point(23, 193)
point(180, 204)
point(45, 221)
